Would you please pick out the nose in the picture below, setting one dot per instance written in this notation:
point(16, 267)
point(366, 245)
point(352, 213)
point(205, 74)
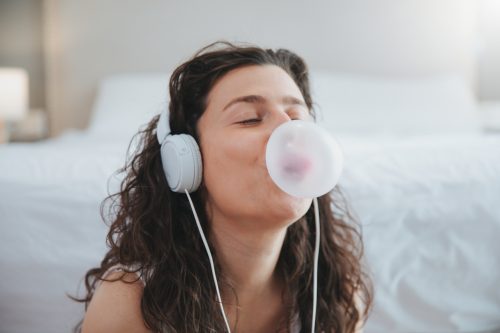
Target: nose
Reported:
point(278, 117)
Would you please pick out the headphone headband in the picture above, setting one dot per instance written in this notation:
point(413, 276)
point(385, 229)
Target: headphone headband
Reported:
point(162, 127)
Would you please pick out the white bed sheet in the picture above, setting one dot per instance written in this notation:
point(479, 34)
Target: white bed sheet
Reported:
point(50, 228)
point(429, 206)
point(430, 209)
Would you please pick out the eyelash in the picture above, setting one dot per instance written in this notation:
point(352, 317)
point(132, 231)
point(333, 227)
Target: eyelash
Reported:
point(255, 120)
point(250, 121)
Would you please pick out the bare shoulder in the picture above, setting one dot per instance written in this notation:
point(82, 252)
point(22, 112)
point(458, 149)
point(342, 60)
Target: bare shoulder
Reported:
point(116, 307)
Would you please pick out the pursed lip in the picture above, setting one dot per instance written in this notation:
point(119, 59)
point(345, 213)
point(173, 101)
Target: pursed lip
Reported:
point(296, 166)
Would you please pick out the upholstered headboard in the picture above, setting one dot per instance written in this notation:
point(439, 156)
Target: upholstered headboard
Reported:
point(89, 40)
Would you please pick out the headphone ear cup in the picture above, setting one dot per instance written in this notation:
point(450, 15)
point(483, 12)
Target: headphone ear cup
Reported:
point(181, 160)
point(196, 160)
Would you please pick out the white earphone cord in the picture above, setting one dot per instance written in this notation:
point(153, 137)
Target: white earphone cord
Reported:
point(211, 261)
point(315, 270)
point(315, 267)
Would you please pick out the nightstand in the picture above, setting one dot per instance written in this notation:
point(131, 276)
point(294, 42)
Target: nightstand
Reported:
point(490, 115)
point(33, 127)
point(4, 138)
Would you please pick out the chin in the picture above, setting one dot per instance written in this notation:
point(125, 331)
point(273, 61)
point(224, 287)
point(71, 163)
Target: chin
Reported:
point(288, 208)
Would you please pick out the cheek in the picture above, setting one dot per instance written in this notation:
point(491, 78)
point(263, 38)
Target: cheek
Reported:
point(237, 182)
point(230, 163)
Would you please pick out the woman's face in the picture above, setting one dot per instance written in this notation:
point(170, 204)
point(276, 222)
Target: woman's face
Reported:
point(243, 109)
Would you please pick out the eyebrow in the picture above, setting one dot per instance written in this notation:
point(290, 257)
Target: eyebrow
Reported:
point(289, 100)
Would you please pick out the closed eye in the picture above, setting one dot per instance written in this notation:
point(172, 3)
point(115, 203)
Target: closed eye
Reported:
point(256, 120)
point(250, 121)
point(298, 114)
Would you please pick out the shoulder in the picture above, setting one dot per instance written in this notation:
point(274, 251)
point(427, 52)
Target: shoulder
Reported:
point(116, 306)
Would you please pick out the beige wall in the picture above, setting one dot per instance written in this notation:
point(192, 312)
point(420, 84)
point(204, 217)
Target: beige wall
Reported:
point(87, 40)
point(94, 38)
point(489, 50)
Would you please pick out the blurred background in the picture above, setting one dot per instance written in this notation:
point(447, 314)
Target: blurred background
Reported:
point(66, 47)
point(410, 88)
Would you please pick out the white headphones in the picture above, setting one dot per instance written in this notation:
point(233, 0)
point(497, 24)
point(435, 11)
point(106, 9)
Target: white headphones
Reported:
point(181, 160)
point(180, 157)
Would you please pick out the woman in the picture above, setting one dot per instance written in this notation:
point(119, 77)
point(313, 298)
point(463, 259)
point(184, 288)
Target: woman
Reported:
point(156, 277)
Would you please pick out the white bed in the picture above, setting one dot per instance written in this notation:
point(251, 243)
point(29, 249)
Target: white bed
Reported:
point(421, 177)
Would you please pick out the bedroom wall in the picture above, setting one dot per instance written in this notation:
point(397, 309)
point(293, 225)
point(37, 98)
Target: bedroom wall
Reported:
point(88, 40)
point(489, 50)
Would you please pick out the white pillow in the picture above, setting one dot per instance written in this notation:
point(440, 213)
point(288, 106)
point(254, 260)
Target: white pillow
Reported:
point(348, 104)
point(126, 102)
point(367, 106)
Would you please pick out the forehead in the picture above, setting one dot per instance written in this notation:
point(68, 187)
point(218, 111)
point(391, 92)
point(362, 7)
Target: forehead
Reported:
point(269, 81)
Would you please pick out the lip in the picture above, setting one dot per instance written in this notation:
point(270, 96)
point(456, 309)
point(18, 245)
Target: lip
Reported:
point(297, 167)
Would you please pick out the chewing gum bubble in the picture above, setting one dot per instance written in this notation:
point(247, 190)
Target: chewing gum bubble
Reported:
point(303, 159)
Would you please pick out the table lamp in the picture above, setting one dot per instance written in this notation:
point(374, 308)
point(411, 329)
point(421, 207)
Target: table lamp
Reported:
point(13, 98)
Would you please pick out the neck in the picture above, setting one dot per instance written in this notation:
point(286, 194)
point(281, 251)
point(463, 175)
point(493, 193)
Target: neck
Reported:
point(248, 257)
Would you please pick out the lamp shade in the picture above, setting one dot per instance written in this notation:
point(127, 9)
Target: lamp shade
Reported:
point(13, 93)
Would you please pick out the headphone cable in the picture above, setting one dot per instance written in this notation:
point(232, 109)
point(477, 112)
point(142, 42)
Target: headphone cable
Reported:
point(315, 268)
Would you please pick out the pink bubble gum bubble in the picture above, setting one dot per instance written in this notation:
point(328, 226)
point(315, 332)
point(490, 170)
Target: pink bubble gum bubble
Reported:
point(303, 159)
point(296, 167)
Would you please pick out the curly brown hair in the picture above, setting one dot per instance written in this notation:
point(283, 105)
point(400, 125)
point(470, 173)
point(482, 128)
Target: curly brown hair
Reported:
point(152, 228)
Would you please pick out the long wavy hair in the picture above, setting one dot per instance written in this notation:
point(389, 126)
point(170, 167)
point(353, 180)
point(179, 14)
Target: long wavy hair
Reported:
point(153, 230)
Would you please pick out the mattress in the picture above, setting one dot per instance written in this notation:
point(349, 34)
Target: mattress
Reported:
point(429, 209)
